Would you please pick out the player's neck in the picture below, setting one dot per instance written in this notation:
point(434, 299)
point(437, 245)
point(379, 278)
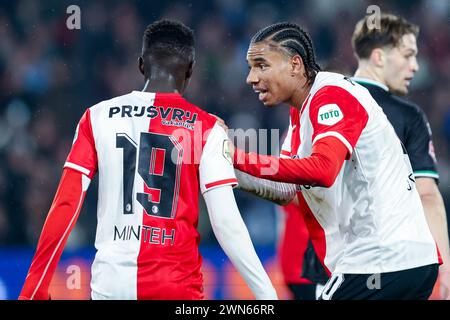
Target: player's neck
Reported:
point(369, 73)
point(299, 96)
point(161, 82)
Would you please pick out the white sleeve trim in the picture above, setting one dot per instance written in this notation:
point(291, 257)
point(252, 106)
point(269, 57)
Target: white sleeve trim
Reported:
point(77, 167)
point(233, 237)
point(233, 182)
point(285, 154)
point(336, 135)
point(426, 175)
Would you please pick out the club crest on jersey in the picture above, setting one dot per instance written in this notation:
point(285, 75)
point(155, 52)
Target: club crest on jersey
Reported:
point(329, 114)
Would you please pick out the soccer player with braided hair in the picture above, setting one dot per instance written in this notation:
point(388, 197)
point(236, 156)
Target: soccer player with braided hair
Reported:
point(357, 187)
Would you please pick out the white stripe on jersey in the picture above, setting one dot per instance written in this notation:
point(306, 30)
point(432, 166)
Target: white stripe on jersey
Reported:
point(77, 167)
point(336, 135)
point(423, 174)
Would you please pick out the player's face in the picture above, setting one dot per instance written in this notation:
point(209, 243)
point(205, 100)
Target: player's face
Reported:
point(401, 64)
point(269, 73)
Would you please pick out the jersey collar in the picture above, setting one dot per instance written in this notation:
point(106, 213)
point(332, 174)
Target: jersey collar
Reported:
point(152, 95)
point(371, 82)
point(143, 93)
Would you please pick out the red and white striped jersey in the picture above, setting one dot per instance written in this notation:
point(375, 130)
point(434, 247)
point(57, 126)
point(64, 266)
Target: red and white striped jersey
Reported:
point(372, 216)
point(153, 152)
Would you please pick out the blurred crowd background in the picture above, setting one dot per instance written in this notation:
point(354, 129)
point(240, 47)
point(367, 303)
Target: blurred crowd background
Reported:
point(49, 75)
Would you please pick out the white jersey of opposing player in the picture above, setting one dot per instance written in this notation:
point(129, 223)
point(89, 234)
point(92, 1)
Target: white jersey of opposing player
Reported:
point(372, 216)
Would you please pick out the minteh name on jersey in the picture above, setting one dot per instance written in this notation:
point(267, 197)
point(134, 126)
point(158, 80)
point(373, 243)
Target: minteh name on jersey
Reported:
point(169, 115)
point(146, 234)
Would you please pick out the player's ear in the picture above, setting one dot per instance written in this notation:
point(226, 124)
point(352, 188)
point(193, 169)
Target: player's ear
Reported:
point(378, 57)
point(141, 65)
point(297, 65)
point(190, 70)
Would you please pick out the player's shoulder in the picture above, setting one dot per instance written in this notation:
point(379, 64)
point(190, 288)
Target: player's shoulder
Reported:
point(328, 83)
point(94, 111)
point(393, 105)
point(402, 110)
point(330, 87)
point(117, 100)
point(200, 113)
point(407, 107)
point(200, 110)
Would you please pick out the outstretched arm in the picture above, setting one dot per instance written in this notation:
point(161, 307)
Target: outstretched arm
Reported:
point(233, 237)
point(319, 169)
point(278, 192)
point(60, 221)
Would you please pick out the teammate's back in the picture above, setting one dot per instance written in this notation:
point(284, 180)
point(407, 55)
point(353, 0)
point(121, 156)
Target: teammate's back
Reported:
point(153, 151)
point(149, 148)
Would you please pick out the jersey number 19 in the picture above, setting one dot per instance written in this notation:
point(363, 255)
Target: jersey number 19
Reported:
point(161, 174)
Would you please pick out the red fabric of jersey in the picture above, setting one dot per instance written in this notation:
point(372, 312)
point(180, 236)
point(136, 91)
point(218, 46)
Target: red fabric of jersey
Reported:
point(60, 221)
point(171, 269)
point(319, 169)
point(293, 245)
point(354, 116)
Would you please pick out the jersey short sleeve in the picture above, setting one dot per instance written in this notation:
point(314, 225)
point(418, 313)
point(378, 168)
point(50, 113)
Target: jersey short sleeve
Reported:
point(216, 163)
point(335, 112)
point(83, 155)
point(419, 145)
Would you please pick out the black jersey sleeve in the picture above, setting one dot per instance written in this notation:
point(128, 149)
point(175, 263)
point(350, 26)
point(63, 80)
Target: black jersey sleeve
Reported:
point(419, 145)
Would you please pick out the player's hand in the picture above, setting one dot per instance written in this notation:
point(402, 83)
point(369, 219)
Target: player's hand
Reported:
point(444, 284)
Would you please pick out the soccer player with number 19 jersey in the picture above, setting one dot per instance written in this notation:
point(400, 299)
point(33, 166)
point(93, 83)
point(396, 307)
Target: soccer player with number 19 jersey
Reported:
point(153, 152)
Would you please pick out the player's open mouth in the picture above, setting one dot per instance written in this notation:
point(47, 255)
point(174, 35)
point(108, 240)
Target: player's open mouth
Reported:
point(262, 94)
point(408, 81)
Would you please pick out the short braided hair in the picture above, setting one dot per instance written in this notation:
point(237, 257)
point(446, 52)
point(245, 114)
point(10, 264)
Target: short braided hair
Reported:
point(295, 40)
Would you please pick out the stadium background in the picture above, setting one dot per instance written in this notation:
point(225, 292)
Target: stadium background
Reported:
point(50, 74)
